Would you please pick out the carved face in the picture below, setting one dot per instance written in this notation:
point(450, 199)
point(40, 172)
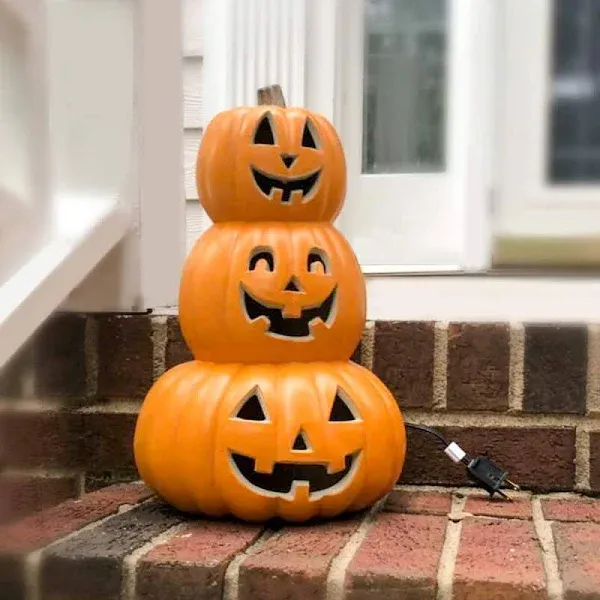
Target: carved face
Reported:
point(308, 463)
point(261, 441)
point(290, 303)
point(280, 186)
point(271, 164)
point(278, 290)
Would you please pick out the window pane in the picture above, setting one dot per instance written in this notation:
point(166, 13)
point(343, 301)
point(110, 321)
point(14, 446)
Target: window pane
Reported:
point(404, 86)
point(575, 110)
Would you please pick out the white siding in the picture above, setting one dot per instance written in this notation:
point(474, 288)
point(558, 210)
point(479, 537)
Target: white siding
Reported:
point(193, 92)
point(193, 115)
point(191, 140)
point(192, 28)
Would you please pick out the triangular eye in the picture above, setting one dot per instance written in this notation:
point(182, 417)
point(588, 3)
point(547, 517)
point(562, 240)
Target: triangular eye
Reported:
point(308, 138)
point(251, 410)
point(301, 443)
point(340, 411)
point(264, 132)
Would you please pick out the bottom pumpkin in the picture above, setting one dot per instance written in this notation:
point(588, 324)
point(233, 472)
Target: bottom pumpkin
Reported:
point(295, 441)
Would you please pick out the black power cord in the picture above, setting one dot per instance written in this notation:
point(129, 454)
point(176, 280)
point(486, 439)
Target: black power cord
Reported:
point(481, 470)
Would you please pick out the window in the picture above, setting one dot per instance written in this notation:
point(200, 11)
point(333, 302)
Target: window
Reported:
point(398, 78)
point(404, 91)
point(549, 133)
point(416, 81)
point(574, 128)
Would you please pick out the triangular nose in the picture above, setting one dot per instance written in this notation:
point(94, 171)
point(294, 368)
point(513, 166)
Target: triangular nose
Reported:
point(293, 285)
point(301, 442)
point(289, 159)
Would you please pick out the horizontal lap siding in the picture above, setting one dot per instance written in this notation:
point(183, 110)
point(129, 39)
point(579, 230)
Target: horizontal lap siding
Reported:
point(193, 111)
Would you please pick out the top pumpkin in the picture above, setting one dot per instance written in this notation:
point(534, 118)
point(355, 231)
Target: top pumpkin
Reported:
point(268, 163)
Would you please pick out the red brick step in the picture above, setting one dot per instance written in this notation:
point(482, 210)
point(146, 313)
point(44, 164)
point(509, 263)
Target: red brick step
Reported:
point(122, 543)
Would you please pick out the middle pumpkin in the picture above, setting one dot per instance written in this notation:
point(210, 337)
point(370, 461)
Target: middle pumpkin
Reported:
point(272, 292)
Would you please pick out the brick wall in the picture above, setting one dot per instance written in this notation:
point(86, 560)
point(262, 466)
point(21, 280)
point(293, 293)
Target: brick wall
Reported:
point(528, 396)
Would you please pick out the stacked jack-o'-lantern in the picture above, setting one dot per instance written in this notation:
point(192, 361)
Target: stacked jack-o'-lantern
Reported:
point(272, 418)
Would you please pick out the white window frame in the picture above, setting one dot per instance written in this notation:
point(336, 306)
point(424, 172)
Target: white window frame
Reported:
point(111, 230)
point(438, 211)
point(527, 205)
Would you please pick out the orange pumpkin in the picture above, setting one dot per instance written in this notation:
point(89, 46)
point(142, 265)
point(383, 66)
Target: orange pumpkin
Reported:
point(258, 441)
point(269, 163)
point(272, 292)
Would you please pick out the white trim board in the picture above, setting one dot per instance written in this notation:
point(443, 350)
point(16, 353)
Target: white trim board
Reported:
point(86, 231)
point(464, 298)
point(119, 113)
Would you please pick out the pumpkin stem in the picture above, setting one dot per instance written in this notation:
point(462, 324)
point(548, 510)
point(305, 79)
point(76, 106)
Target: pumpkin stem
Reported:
point(272, 94)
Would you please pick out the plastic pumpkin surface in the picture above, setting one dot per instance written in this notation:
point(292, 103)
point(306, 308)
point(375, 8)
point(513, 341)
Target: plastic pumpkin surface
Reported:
point(269, 163)
point(272, 292)
point(260, 441)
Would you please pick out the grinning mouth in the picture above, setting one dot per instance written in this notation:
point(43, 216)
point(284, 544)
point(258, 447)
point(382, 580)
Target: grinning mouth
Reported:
point(285, 477)
point(267, 183)
point(289, 327)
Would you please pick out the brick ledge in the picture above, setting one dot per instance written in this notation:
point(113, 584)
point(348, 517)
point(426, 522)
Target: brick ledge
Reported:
point(121, 542)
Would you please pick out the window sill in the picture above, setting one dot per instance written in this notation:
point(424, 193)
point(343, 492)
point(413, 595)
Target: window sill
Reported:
point(459, 297)
point(547, 251)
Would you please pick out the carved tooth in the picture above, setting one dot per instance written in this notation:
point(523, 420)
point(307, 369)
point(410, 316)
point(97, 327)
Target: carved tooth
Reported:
point(263, 465)
point(336, 465)
point(292, 311)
